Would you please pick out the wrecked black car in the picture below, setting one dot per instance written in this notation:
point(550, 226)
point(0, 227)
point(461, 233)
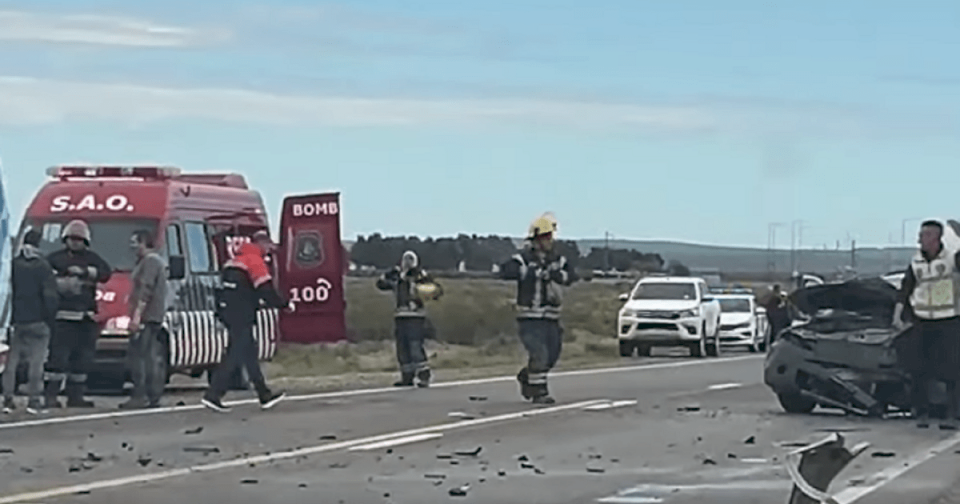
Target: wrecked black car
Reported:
point(843, 353)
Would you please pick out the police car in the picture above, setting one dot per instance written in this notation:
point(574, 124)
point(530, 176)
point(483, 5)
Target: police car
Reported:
point(742, 321)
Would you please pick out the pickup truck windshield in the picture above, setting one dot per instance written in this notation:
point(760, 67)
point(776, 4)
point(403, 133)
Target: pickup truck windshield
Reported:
point(735, 305)
point(684, 291)
point(111, 238)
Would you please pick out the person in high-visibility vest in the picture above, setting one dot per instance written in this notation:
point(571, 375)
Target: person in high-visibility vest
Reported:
point(929, 294)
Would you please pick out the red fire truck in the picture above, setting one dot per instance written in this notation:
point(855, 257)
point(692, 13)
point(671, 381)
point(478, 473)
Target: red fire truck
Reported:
point(199, 220)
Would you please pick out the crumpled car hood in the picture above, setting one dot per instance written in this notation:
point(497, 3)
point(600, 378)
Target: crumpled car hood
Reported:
point(868, 297)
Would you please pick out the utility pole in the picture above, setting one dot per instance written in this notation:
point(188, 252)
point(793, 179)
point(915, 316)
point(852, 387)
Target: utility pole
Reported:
point(772, 245)
point(606, 252)
point(796, 244)
point(853, 254)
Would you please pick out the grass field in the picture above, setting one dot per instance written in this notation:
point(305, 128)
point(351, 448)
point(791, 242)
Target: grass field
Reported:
point(475, 329)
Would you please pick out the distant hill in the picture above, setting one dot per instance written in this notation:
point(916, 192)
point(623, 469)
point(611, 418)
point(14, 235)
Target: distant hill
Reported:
point(749, 260)
point(755, 260)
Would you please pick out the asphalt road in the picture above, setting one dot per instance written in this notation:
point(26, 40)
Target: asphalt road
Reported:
point(663, 430)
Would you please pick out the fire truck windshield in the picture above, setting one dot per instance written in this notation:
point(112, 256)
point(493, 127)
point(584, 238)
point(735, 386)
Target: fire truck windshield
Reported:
point(110, 238)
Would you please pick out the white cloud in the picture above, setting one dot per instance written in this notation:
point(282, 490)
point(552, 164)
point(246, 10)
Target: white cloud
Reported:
point(26, 101)
point(99, 30)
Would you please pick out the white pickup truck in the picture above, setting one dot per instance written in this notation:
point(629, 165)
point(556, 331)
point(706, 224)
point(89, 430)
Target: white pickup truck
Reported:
point(669, 311)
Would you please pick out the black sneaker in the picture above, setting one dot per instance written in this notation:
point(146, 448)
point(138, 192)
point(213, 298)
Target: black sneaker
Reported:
point(215, 405)
point(272, 400)
point(8, 405)
point(35, 408)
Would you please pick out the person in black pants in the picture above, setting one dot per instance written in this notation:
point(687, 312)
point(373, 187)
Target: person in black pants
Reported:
point(245, 282)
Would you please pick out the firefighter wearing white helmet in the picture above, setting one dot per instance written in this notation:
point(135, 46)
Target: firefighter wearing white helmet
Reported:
point(74, 340)
point(413, 287)
point(541, 273)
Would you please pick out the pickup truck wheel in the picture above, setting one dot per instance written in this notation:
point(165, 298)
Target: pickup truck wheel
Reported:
point(626, 348)
point(643, 350)
point(699, 348)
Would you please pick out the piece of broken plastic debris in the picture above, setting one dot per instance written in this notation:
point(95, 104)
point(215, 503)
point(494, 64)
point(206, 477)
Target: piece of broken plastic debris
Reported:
point(750, 440)
point(460, 491)
point(191, 432)
point(469, 453)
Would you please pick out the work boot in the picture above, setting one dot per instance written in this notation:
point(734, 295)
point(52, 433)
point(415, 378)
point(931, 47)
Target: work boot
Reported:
point(544, 399)
point(922, 417)
point(953, 409)
point(423, 378)
point(50, 395)
point(75, 396)
point(271, 399)
point(524, 385)
point(406, 380)
point(8, 405)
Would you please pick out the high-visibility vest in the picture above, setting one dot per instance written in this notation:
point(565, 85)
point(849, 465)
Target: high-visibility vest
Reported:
point(936, 293)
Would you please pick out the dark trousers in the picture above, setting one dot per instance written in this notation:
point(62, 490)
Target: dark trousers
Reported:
point(242, 352)
point(936, 357)
point(410, 333)
point(543, 340)
point(146, 360)
point(73, 346)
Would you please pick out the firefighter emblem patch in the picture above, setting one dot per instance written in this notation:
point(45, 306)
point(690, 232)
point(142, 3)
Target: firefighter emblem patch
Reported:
point(941, 269)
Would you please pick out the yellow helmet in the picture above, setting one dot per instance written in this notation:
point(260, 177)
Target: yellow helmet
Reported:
point(545, 224)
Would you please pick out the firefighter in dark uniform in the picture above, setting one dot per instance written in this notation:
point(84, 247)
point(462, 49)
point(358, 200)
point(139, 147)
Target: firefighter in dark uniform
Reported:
point(929, 294)
point(540, 273)
point(412, 286)
point(73, 343)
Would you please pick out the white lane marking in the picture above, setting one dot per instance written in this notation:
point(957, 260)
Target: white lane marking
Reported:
point(397, 442)
point(609, 405)
point(724, 386)
point(359, 392)
point(854, 493)
point(262, 459)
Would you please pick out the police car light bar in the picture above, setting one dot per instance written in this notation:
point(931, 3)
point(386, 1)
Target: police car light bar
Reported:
point(91, 171)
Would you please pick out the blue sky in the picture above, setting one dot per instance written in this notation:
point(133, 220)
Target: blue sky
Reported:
point(657, 119)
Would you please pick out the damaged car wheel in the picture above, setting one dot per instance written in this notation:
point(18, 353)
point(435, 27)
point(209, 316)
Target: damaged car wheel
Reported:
point(796, 403)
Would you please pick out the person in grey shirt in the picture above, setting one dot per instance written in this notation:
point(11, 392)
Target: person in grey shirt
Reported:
point(34, 301)
point(147, 308)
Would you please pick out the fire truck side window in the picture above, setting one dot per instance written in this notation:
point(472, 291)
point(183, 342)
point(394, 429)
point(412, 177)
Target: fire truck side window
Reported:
point(200, 260)
point(174, 243)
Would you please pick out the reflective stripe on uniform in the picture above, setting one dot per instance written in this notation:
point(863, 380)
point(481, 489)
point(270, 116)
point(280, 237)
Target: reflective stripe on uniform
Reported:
point(537, 378)
point(74, 316)
point(77, 378)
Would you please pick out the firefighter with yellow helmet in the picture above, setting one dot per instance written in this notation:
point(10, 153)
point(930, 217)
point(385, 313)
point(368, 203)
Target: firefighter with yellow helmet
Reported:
point(541, 273)
point(412, 287)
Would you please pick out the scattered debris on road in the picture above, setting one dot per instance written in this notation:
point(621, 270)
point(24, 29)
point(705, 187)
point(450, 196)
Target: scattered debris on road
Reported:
point(750, 440)
point(205, 450)
point(502, 473)
point(709, 461)
point(435, 476)
point(461, 415)
point(444, 456)
point(731, 455)
point(880, 454)
point(6, 451)
point(250, 482)
point(93, 457)
point(596, 470)
point(144, 461)
point(460, 491)
point(523, 458)
point(328, 437)
point(689, 408)
point(470, 453)
point(478, 398)
point(191, 432)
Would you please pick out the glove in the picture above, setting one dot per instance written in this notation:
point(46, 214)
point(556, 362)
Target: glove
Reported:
point(557, 275)
point(92, 271)
point(291, 307)
point(75, 270)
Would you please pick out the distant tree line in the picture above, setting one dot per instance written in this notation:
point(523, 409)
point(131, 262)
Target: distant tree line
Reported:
point(481, 253)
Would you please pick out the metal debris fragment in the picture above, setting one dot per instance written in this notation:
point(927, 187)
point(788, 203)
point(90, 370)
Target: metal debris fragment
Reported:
point(883, 454)
point(205, 450)
point(478, 398)
point(191, 432)
point(328, 437)
point(144, 461)
point(460, 491)
point(93, 457)
point(750, 440)
point(469, 453)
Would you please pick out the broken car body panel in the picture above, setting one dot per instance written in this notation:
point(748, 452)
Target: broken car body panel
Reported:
point(844, 353)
